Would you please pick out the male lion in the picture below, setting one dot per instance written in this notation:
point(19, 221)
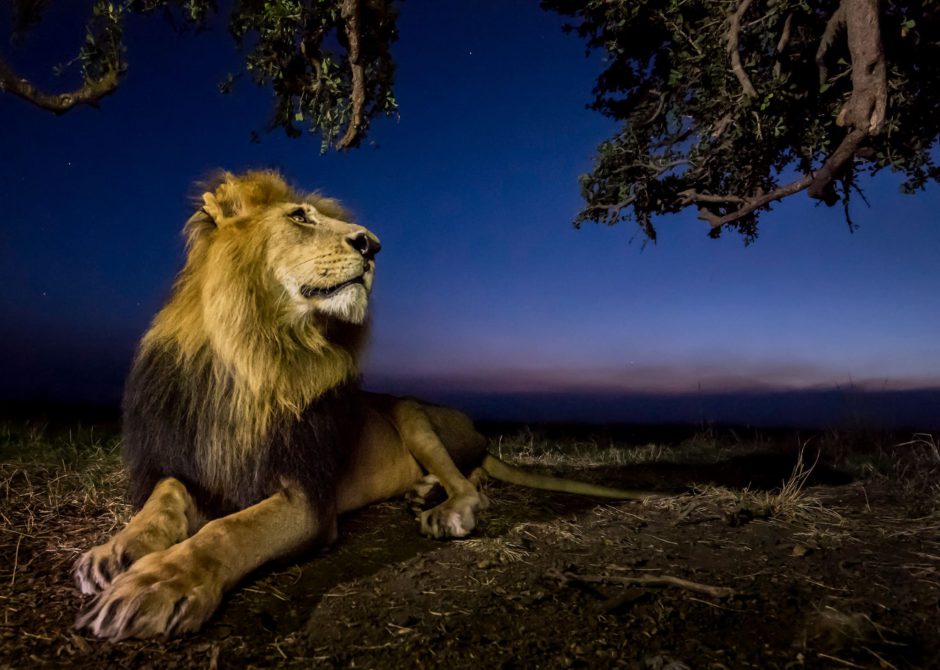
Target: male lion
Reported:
point(244, 432)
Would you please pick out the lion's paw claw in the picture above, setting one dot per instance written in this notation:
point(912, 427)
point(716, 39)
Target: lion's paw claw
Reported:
point(455, 517)
point(98, 567)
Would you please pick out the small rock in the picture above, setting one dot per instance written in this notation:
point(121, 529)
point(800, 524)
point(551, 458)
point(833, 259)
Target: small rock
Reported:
point(800, 550)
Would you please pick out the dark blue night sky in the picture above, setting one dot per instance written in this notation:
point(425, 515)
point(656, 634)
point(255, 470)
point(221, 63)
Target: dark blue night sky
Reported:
point(484, 289)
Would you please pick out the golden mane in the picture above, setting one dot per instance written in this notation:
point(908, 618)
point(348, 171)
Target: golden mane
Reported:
point(253, 364)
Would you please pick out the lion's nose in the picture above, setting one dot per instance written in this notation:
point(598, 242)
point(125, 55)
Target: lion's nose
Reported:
point(365, 244)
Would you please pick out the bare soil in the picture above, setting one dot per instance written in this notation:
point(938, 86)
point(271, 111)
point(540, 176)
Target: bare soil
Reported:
point(840, 574)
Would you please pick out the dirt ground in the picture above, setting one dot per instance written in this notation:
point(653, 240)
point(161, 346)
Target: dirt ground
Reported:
point(835, 570)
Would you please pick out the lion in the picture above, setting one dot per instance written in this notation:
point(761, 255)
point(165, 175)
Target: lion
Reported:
point(244, 432)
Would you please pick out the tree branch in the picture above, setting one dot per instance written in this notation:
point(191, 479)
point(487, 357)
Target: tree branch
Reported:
point(349, 10)
point(783, 42)
point(868, 104)
point(657, 168)
point(864, 112)
point(835, 23)
point(822, 178)
point(615, 207)
point(785, 33)
point(734, 34)
point(748, 205)
point(90, 93)
point(691, 196)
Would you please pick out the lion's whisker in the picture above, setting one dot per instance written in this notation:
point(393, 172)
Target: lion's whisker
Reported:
point(309, 260)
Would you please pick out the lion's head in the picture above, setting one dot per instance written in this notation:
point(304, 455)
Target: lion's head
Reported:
point(300, 250)
point(268, 314)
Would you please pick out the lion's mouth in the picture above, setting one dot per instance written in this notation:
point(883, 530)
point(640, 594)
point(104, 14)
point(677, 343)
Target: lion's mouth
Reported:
point(309, 291)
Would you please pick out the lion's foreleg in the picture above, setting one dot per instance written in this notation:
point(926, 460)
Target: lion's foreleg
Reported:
point(176, 590)
point(456, 516)
point(168, 516)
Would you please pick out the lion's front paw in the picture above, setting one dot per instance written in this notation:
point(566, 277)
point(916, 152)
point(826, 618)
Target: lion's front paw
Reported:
point(99, 566)
point(455, 517)
point(164, 593)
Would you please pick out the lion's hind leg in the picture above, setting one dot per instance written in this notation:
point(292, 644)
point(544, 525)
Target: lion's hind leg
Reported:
point(425, 492)
point(456, 516)
point(168, 516)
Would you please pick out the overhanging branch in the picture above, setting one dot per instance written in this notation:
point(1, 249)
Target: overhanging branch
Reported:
point(748, 205)
point(833, 26)
point(864, 112)
point(839, 159)
point(734, 35)
point(349, 10)
point(866, 108)
point(90, 93)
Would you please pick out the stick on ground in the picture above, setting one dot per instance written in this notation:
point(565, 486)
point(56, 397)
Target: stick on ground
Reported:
point(645, 580)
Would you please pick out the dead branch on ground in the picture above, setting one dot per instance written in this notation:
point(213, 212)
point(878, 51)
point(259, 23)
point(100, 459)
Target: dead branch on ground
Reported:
point(644, 580)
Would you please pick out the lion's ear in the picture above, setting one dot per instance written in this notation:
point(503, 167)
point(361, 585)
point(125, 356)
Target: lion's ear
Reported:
point(212, 208)
point(205, 219)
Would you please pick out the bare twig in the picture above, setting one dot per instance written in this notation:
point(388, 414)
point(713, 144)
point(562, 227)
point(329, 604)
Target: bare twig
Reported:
point(645, 580)
point(734, 34)
point(660, 105)
point(672, 140)
point(783, 42)
point(90, 93)
point(844, 662)
point(614, 206)
point(690, 196)
point(721, 126)
point(349, 10)
point(785, 33)
point(653, 166)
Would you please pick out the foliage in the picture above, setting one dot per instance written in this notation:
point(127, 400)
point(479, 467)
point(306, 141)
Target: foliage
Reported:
point(722, 103)
point(327, 61)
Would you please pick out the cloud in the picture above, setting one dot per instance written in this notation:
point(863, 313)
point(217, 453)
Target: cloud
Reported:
point(656, 378)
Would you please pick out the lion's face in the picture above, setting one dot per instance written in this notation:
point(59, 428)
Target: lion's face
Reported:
point(322, 264)
point(298, 251)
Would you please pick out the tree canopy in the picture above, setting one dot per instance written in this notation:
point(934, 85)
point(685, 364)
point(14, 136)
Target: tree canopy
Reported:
point(327, 61)
point(724, 105)
point(728, 106)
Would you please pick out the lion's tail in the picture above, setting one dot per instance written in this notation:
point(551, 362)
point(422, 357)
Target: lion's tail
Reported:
point(504, 472)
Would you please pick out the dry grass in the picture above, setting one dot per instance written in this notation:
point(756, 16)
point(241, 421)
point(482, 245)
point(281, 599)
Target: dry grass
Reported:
point(531, 448)
point(525, 448)
point(789, 501)
point(56, 492)
point(912, 468)
point(923, 447)
point(495, 549)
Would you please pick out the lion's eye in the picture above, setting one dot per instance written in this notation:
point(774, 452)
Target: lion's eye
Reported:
point(298, 216)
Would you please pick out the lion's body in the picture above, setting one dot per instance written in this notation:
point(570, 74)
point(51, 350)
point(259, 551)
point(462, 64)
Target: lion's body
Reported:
point(245, 434)
point(230, 389)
